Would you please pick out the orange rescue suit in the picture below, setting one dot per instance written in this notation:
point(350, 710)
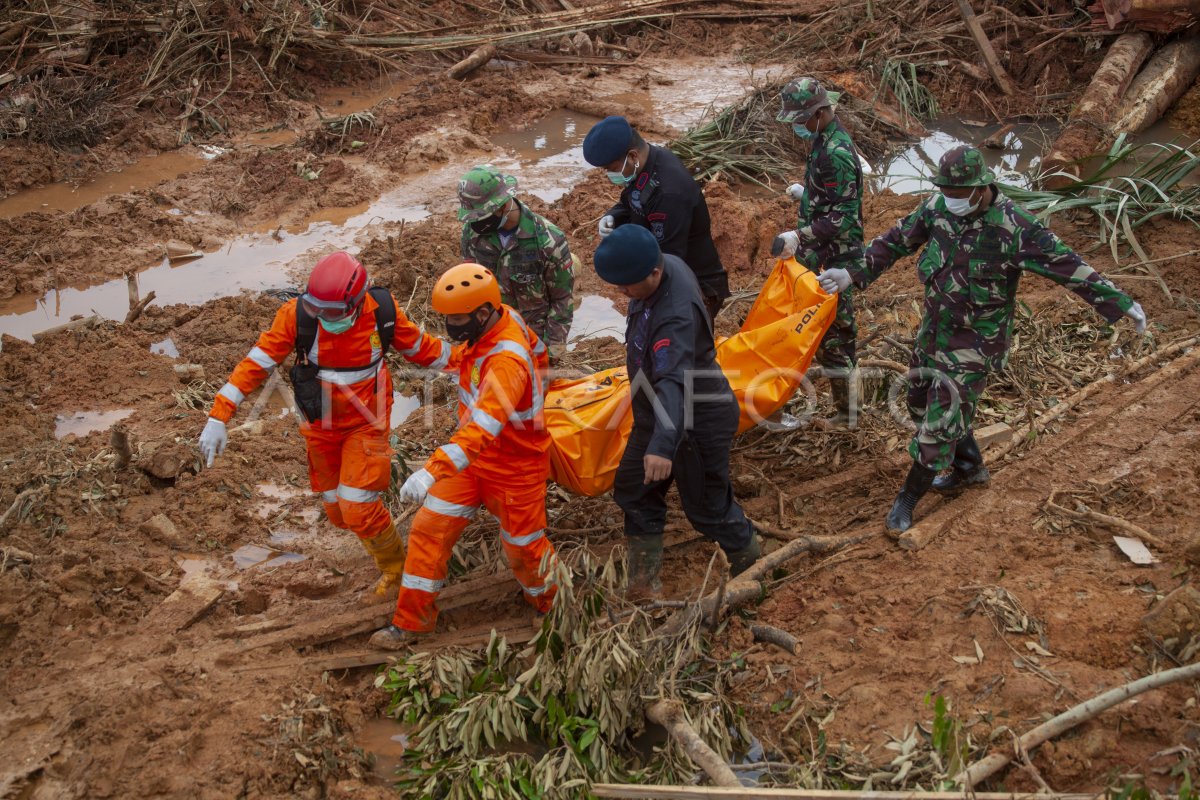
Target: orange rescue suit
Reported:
point(498, 458)
point(349, 457)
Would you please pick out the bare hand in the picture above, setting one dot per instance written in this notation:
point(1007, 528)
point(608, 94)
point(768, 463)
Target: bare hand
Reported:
point(657, 468)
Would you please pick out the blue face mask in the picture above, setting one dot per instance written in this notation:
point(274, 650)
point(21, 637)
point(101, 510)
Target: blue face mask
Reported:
point(804, 133)
point(341, 326)
point(619, 178)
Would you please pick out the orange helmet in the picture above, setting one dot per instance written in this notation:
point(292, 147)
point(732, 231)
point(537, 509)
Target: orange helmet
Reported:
point(464, 288)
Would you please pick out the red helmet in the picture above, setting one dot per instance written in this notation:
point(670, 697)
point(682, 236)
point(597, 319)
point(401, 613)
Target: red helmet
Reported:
point(336, 287)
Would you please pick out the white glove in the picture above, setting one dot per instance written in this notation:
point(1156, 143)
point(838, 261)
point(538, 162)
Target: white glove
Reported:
point(416, 487)
point(607, 225)
point(788, 242)
point(795, 191)
point(1138, 316)
point(834, 280)
point(213, 439)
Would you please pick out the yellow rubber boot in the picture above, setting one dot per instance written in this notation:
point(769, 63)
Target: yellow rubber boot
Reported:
point(388, 551)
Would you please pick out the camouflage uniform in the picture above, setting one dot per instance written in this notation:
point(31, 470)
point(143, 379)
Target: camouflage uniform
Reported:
point(829, 224)
point(970, 267)
point(532, 262)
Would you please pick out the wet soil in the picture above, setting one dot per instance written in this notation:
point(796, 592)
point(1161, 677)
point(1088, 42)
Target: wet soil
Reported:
point(122, 681)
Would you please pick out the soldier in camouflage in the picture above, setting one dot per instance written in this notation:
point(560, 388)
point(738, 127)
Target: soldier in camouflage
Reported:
point(528, 255)
point(829, 232)
point(977, 242)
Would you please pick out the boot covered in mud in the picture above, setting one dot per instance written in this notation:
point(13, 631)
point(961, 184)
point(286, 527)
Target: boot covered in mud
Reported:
point(387, 549)
point(644, 565)
point(968, 468)
point(845, 391)
point(392, 638)
point(742, 560)
point(916, 484)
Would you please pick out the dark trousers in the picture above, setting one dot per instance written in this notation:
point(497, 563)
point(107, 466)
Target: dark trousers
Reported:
point(712, 304)
point(700, 470)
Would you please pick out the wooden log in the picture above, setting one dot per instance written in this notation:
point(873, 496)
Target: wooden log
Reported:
point(185, 605)
point(642, 792)
point(1154, 16)
point(669, 714)
point(1168, 74)
point(472, 62)
point(136, 311)
point(1089, 709)
point(1088, 123)
point(985, 48)
point(996, 433)
point(772, 635)
point(516, 634)
point(118, 440)
point(996, 140)
point(75, 324)
point(364, 618)
point(1115, 523)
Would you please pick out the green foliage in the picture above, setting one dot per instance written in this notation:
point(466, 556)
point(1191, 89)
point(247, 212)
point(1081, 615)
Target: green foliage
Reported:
point(1125, 188)
point(915, 100)
point(947, 736)
point(743, 140)
point(552, 718)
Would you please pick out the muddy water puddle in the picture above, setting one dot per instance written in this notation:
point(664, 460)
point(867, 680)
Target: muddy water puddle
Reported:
point(403, 407)
point(141, 175)
point(253, 263)
point(253, 555)
point(1014, 162)
point(546, 156)
point(596, 316)
point(82, 423)
point(166, 347)
point(386, 740)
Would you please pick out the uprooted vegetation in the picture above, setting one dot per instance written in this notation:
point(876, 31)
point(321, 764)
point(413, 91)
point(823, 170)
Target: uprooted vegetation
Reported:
point(846, 661)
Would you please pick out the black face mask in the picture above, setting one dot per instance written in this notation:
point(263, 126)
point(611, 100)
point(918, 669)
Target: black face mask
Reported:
point(468, 332)
point(487, 224)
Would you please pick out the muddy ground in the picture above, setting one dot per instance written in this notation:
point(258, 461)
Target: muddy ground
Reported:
point(120, 683)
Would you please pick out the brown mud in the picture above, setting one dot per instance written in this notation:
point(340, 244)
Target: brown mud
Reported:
point(118, 682)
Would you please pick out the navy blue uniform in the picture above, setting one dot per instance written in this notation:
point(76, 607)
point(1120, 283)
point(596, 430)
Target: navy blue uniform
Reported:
point(683, 410)
point(665, 199)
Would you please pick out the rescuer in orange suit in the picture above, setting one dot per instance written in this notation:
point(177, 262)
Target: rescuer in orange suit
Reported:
point(499, 457)
point(340, 330)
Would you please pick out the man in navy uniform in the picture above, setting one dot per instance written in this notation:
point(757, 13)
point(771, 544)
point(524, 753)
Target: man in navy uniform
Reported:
point(684, 413)
point(659, 194)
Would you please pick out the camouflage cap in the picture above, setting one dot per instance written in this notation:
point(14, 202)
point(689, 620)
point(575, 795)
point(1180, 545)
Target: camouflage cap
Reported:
point(804, 97)
point(482, 191)
point(963, 166)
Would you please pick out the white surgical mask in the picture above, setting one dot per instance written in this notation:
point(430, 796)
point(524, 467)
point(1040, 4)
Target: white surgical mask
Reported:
point(961, 206)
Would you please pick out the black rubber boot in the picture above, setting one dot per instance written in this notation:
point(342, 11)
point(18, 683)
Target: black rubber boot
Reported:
point(968, 468)
point(742, 560)
point(845, 400)
point(644, 565)
point(917, 483)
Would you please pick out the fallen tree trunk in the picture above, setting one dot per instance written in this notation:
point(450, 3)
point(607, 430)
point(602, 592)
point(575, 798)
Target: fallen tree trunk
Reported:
point(1088, 124)
point(745, 587)
point(1155, 16)
point(1169, 73)
point(988, 766)
point(669, 714)
point(472, 62)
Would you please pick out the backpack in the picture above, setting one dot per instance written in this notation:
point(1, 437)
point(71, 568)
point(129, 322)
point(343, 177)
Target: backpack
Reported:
point(305, 386)
point(385, 323)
